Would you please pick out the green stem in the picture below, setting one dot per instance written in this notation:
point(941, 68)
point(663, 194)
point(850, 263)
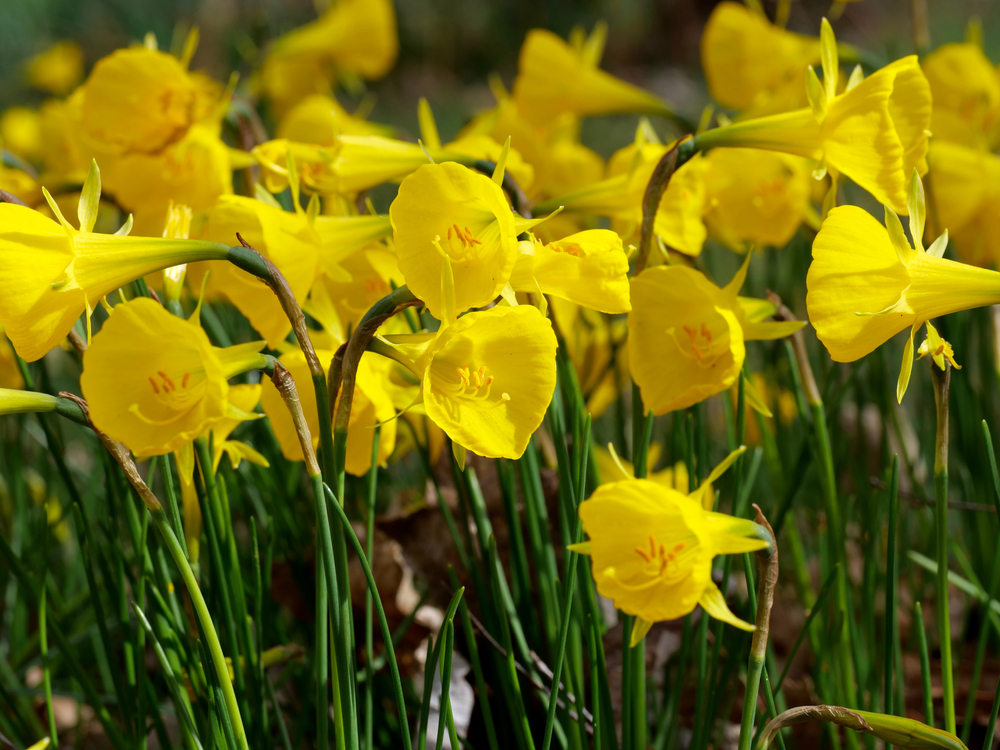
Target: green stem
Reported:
point(768, 563)
point(43, 643)
point(925, 664)
point(942, 381)
point(890, 589)
point(218, 658)
point(397, 682)
point(369, 551)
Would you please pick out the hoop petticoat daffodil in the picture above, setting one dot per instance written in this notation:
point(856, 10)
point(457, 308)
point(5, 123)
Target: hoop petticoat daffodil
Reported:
point(875, 132)
point(866, 283)
point(487, 379)
point(52, 272)
point(589, 268)
point(686, 335)
point(651, 549)
point(554, 79)
point(447, 211)
point(154, 381)
point(749, 61)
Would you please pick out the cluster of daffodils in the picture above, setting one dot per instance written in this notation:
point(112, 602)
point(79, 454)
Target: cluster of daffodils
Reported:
point(128, 202)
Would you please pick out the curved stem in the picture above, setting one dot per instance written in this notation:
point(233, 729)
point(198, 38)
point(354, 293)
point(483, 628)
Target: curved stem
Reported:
point(669, 163)
point(767, 563)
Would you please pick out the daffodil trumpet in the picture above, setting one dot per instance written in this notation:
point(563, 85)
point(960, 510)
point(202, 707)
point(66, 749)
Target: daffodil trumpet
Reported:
point(867, 283)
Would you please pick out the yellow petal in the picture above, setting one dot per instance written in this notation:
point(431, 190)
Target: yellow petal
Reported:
point(639, 629)
point(490, 378)
point(447, 209)
point(714, 603)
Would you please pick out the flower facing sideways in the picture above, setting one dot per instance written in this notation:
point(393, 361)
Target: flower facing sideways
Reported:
point(866, 283)
point(651, 549)
point(875, 132)
point(52, 272)
point(154, 381)
point(686, 335)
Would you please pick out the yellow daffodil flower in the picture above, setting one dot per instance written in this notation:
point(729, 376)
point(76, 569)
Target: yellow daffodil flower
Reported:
point(651, 549)
point(300, 244)
point(875, 132)
point(755, 197)
point(589, 268)
point(154, 381)
point(58, 69)
point(449, 212)
point(751, 63)
point(10, 373)
point(967, 199)
point(939, 349)
point(619, 196)
point(141, 100)
point(21, 133)
point(51, 272)
point(487, 379)
point(554, 79)
point(372, 405)
point(353, 38)
point(965, 88)
point(319, 119)
point(194, 171)
point(686, 335)
point(866, 283)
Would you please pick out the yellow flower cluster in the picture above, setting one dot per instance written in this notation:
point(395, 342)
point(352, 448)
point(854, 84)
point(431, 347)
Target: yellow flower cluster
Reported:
point(514, 237)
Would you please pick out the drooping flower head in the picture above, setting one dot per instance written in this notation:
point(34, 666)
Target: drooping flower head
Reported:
point(875, 132)
point(867, 283)
point(52, 272)
point(651, 549)
point(686, 335)
point(449, 211)
point(154, 381)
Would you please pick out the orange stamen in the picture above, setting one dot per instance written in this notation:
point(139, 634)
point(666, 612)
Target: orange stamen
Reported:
point(187, 377)
point(156, 388)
